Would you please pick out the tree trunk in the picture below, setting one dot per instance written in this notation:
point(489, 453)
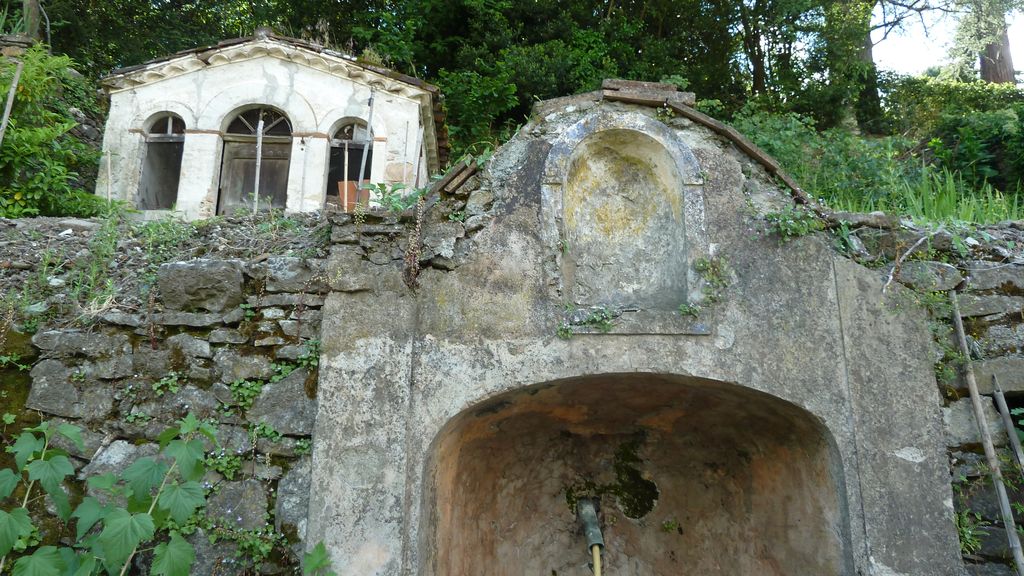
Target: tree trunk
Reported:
point(869, 103)
point(996, 62)
point(30, 12)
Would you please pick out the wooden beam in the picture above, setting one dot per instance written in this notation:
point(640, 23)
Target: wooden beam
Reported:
point(634, 85)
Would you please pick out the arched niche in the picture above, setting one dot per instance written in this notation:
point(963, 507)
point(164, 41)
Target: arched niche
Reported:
point(693, 476)
point(254, 133)
point(161, 167)
point(624, 223)
point(623, 220)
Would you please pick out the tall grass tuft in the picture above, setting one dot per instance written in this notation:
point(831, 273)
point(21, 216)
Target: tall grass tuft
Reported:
point(943, 196)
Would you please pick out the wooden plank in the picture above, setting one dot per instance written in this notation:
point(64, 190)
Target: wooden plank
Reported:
point(449, 176)
point(634, 85)
point(771, 165)
point(459, 180)
point(655, 99)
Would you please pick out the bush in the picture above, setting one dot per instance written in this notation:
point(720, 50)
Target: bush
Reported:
point(985, 147)
point(845, 171)
point(40, 161)
point(916, 106)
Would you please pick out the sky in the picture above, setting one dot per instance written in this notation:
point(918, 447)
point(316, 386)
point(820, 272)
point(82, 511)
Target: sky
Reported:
point(922, 45)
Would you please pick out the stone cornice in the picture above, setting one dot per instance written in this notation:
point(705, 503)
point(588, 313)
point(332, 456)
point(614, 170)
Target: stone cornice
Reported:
point(334, 65)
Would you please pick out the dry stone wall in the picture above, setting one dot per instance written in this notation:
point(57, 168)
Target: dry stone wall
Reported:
point(231, 340)
point(985, 265)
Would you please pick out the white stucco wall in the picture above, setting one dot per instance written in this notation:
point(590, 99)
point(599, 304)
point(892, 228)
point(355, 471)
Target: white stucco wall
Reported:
point(315, 101)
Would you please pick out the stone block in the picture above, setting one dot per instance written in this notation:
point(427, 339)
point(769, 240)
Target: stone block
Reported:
point(240, 505)
point(289, 274)
point(929, 276)
point(189, 346)
point(293, 499)
point(972, 305)
point(193, 319)
point(285, 406)
point(304, 329)
point(989, 569)
point(1002, 339)
point(52, 390)
point(71, 343)
point(234, 366)
point(479, 201)
point(1008, 369)
point(201, 284)
point(226, 336)
point(962, 427)
point(439, 239)
point(983, 275)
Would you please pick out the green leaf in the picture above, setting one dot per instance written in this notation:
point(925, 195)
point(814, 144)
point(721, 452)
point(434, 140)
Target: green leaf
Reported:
point(87, 567)
point(316, 560)
point(50, 473)
point(89, 512)
point(24, 447)
point(43, 562)
point(189, 456)
point(102, 482)
point(144, 475)
point(168, 435)
point(181, 500)
point(13, 525)
point(188, 424)
point(122, 532)
point(8, 482)
point(73, 433)
point(173, 558)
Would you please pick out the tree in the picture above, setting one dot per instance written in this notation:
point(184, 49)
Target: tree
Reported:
point(30, 14)
point(982, 37)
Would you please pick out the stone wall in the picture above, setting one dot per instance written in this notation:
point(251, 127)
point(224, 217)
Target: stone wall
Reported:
point(234, 341)
point(986, 266)
point(463, 371)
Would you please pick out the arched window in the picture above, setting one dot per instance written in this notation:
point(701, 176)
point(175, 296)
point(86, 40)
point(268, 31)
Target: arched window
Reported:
point(351, 158)
point(161, 169)
point(242, 147)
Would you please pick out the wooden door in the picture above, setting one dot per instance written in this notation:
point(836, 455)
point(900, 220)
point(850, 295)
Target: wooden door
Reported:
point(238, 176)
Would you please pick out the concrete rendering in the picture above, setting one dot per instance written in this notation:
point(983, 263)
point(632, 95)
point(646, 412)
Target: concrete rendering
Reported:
point(792, 426)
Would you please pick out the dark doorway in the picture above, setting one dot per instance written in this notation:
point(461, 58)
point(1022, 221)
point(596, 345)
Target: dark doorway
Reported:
point(238, 168)
point(161, 169)
point(346, 162)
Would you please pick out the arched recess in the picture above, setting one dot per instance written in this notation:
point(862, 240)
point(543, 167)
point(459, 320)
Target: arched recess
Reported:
point(242, 147)
point(622, 214)
point(350, 164)
point(161, 166)
point(694, 477)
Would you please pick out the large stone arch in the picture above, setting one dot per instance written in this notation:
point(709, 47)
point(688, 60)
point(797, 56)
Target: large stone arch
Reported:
point(693, 476)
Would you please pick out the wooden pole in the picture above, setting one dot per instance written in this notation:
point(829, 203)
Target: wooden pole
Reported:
point(344, 198)
point(1011, 430)
point(110, 174)
point(10, 100)
point(259, 162)
point(366, 146)
point(986, 440)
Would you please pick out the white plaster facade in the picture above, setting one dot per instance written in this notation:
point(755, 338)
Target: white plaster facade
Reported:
point(317, 90)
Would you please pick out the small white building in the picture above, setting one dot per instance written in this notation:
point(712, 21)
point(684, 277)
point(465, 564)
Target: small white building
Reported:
point(189, 132)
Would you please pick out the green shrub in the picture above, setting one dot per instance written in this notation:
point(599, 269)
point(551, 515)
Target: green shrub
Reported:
point(40, 161)
point(917, 105)
point(985, 146)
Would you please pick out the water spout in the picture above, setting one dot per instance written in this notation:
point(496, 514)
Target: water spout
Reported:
point(586, 510)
